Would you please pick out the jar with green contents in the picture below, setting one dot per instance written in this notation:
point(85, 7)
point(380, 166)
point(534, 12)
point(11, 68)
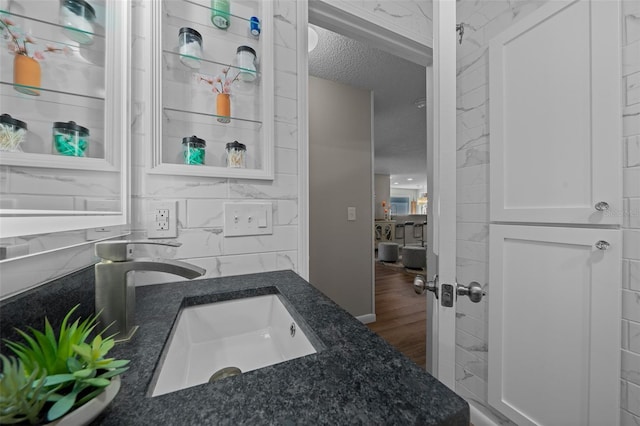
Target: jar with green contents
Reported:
point(220, 13)
point(193, 150)
point(70, 139)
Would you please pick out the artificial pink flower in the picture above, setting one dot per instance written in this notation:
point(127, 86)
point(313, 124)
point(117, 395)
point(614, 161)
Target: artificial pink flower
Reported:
point(29, 39)
point(39, 56)
point(7, 21)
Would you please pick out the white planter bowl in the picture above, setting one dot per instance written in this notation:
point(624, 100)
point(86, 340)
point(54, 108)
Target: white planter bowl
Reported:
point(89, 411)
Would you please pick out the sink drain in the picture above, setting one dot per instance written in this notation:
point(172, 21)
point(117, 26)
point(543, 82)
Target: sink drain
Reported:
point(224, 373)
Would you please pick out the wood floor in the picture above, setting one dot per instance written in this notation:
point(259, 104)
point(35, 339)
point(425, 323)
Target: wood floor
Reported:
point(400, 312)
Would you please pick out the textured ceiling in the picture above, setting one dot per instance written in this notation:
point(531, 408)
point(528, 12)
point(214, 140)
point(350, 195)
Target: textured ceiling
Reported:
point(399, 126)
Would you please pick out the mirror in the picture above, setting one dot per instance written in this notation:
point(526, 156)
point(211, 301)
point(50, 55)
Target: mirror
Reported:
point(64, 125)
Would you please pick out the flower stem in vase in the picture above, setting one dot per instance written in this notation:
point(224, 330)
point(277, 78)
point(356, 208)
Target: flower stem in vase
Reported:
point(223, 108)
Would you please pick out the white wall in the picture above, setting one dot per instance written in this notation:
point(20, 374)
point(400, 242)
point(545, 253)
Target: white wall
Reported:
point(340, 176)
point(484, 20)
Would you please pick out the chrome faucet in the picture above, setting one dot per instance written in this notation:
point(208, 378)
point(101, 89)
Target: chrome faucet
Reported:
point(115, 292)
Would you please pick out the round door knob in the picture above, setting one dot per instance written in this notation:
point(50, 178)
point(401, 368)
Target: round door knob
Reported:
point(419, 284)
point(602, 245)
point(602, 206)
point(473, 291)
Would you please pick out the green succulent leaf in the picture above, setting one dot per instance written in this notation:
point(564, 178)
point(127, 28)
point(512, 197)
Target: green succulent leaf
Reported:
point(97, 382)
point(112, 373)
point(85, 373)
point(60, 367)
point(84, 350)
point(73, 365)
point(58, 379)
point(22, 396)
point(62, 406)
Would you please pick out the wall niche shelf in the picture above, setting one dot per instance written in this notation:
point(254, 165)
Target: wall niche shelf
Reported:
point(84, 79)
point(184, 104)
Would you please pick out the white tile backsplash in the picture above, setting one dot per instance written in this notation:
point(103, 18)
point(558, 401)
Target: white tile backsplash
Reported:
point(631, 305)
point(633, 336)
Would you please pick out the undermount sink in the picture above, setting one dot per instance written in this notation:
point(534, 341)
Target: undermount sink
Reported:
point(247, 334)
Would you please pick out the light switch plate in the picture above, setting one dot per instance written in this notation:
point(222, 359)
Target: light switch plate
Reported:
point(248, 219)
point(162, 219)
point(351, 213)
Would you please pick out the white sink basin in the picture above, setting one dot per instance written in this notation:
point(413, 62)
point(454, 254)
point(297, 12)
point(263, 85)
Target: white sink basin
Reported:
point(247, 333)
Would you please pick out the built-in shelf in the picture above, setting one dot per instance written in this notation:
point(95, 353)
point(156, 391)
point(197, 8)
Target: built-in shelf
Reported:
point(182, 106)
point(206, 114)
point(52, 161)
point(52, 24)
point(44, 91)
point(208, 61)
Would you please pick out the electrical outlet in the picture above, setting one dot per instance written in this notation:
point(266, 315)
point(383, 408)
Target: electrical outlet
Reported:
point(163, 220)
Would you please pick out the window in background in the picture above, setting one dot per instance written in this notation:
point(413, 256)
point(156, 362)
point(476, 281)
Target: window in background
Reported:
point(399, 206)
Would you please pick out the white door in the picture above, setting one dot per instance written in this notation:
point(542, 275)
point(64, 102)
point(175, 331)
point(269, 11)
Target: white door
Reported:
point(559, 342)
point(554, 324)
point(555, 116)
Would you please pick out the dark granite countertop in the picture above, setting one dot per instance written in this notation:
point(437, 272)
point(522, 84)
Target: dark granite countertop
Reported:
point(354, 378)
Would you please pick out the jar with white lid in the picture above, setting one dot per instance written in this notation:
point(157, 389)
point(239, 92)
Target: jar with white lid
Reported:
point(246, 61)
point(190, 47)
point(77, 17)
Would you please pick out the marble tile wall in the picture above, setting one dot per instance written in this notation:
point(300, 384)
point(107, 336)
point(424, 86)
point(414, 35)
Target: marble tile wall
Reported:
point(200, 200)
point(410, 18)
point(630, 377)
point(482, 21)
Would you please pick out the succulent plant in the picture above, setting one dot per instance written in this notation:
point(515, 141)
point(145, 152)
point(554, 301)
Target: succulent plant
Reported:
point(22, 396)
point(66, 370)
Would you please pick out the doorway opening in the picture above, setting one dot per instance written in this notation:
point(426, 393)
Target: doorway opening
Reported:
point(399, 132)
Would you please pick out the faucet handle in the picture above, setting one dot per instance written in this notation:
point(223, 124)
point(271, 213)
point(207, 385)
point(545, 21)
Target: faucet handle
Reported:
point(117, 251)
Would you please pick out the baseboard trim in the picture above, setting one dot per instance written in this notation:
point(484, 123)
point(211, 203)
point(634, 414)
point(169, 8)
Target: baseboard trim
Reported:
point(366, 319)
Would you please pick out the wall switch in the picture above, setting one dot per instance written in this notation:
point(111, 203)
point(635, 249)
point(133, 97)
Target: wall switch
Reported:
point(248, 219)
point(351, 213)
point(162, 219)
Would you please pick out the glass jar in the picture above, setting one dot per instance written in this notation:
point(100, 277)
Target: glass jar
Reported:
point(12, 133)
point(236, 153)
point(77, 17)
point(70, 139)
point(220, 13)
point(190, 47)
point(246, 60)
point(193, 150)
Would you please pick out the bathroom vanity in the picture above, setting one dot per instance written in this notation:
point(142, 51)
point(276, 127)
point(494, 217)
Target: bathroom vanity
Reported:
point(354, 377)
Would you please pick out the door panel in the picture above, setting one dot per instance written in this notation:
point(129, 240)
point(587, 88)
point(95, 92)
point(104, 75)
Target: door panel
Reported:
point(555, 116)
point(554, 333)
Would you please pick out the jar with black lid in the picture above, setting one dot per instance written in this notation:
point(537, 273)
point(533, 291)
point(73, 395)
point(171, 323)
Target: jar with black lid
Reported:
point(246, 61)
point(12, 133)
point(70, 139)
point(236, 153)
point(193, 150)
point(190, 47)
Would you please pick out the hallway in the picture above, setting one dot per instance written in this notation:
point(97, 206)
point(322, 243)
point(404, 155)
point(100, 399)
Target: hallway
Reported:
point(400, 312)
